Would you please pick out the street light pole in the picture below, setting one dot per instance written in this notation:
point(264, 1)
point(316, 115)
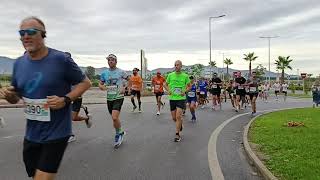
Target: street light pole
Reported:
point(212, 17)
point(269, 37)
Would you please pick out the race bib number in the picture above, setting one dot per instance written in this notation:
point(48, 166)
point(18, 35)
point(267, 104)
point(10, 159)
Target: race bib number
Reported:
point(157, 87)
point(214, 86)
point(253, 89)
point(177, 90)
point(36, 109)
point(202, 92)
point(240, 87)
point(112, 90)
point(191, 94)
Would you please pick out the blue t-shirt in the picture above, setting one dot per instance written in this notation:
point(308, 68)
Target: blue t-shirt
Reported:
point(202, 86)
point(115, 80)
point(192, 93)
point(37, 79)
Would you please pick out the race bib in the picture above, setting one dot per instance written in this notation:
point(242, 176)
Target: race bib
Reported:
point(253, 89)
point(214, 86)
point(112, 90)
point(240, 87)
point(191, 94)
point(202, 92)
point(177, 90)
point(284, 89)
point(36, 109)
point(157, 87)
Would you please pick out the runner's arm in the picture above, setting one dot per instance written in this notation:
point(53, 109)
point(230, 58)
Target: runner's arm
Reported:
point(9, 94)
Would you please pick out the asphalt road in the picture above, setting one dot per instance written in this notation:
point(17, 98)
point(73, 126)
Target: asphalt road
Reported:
point(148, 151)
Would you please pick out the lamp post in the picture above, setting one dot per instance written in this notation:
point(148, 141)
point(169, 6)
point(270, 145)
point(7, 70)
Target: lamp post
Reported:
point(269, 37)
point(212, 17)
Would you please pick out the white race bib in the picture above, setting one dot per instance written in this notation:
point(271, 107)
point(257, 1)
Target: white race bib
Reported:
point(156, 87)
point(191, 94)
point(202, 92)
point(214, 86)
point(177, 90)
point(240, 87)
point(36, 109)
point(112, 90)
point(253, 89)
point(284, 89)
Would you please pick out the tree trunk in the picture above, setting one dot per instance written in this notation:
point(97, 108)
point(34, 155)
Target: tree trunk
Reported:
point(249, 69)
point(227, 71)
point(282, 76)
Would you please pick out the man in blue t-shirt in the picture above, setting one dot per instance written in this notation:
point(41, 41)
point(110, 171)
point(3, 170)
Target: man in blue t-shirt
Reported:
point(43, 77)
point(202, 85)
point(113, 81)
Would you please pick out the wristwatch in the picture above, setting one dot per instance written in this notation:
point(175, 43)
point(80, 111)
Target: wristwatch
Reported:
point(67, 100)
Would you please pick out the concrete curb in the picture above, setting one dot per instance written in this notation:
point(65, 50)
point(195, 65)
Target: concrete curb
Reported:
point(256, 161)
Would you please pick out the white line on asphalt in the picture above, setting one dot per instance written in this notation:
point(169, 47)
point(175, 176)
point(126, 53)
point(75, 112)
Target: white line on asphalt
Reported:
point(216, 172)
point(215, 169)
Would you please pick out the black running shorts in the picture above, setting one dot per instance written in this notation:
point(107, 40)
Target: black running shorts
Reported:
point(134, 92)
point(115, 105)
point(158, 94)
point(43, 156)
point(174, 104)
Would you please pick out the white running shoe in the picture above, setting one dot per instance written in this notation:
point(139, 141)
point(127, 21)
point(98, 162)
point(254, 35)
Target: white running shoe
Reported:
point(158, 113)
point(72, 138)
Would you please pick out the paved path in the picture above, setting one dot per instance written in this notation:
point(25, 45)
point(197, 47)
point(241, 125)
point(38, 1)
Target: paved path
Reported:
point(148, 151)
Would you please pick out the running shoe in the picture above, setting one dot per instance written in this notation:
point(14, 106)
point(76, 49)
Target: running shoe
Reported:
point(140, 110)
point(2, 123)
point(177, 138)
point(158, 113)
point(72, 138)
point(88, 121)
point(118, 139)
point(134, 108)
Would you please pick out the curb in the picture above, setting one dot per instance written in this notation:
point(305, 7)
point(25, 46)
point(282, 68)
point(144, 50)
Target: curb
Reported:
point(256, 161)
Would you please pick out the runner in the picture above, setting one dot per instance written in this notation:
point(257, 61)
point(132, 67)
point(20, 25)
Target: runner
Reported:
point(316, 93)
point(177, 84)
point(202, 85)
point(277, 88)
point(135, 87)
point(230, 90)
point(2, 122)
point(239, 86)
point(215, 85)
point(284, 90)
point(253, 85)
point(113, 80)
point(192, 98)
point(157, 83)
point(76, 106)
point(42, 77)
point(266, 89)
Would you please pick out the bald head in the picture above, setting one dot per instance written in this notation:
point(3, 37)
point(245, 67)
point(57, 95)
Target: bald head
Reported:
point(178, 65)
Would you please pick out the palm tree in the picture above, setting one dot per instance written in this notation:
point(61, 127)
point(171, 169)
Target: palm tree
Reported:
point(228, 62)
point(212, 64)
point(250, 57)
point(282, 64)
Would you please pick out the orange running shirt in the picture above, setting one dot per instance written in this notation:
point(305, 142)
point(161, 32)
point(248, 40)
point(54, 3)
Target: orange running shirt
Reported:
point(136, 82)
point(158, 83)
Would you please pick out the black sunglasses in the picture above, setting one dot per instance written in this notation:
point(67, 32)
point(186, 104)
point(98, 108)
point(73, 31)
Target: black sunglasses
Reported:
point(30, 32)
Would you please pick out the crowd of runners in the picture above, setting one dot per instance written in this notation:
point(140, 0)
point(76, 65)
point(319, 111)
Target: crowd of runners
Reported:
point(51, 85)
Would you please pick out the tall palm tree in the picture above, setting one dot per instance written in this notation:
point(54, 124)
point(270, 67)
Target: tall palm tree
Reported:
point(212, 64)
point(228, 62)
point(282, 64)
point(250, 57)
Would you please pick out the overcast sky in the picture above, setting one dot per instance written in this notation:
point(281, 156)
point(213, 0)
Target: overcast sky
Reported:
point(171, 29)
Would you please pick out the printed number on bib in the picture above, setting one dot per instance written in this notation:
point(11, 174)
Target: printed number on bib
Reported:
point(214, 86)
point(240, 87)
point(36, 109)
point(202, 92)
point(177, 91)
point(112, 90)
point(253, 89)
point(191, 94)
point(156, 87)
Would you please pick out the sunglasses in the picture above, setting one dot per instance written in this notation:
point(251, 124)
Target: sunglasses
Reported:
point(30, 32)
